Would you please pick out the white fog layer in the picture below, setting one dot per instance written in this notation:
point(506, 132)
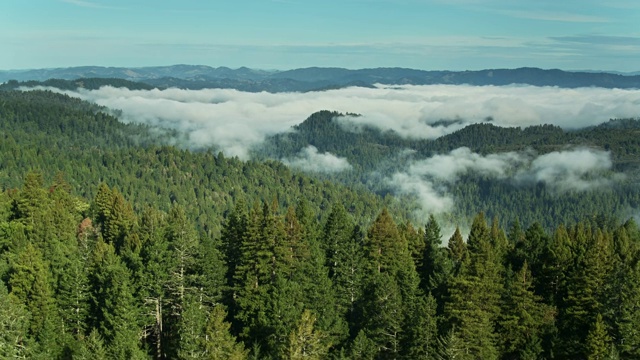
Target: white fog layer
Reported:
point(234, 120)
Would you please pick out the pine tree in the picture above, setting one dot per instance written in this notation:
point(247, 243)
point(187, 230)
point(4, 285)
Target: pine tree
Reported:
point(557, 261)
point(474, 295)
point(345, 259)
point(219, 344)
point(415, 239)
point(386, 248)
point(92, 348)
point(119, 223)
point(363, 348)
point(310, 272)
point(113, 309)
point(338, 231)
point(457, 250)
point(183, 244)
point(623, 301)
point(190, 329)
point(586, 290)
point(101, 207)
point(451, 347)
point(436, 264)
point(31, 201)
point(421, 330)
point(14, 325)
point(233, 234)
point(598, 342)
point(306, 342)
point(253, 279)
point(154, 279)
point(30, 282)
point(523, 317)
point(383, 315)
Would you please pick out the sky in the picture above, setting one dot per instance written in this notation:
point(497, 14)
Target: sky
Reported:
point(287, 34)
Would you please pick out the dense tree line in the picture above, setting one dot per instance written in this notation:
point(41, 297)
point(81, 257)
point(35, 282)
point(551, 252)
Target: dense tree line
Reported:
point(96, 279)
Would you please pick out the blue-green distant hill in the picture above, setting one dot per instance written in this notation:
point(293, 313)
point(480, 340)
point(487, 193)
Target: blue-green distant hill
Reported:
point(315, 78)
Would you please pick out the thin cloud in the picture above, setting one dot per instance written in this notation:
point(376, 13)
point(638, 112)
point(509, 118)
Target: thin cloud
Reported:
point(310, 160)
point(429, 180)
point(87, 4)
point(600, 40)
point(578, 170)
point(556, 16)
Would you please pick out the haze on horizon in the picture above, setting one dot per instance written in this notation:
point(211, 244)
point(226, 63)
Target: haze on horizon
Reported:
point(286, 34)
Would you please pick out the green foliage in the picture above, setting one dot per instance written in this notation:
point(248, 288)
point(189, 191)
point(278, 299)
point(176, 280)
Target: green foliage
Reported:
point(219, 344)
point(305, 342)
point(598, 342)
point(168, 243)
point(14, 325)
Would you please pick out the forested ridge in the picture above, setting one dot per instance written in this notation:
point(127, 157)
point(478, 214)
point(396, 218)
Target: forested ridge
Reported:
point(114, 247)
point(375, 155)
point(52, 133)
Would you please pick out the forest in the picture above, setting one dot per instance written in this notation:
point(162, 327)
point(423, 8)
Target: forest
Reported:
point(115, 244)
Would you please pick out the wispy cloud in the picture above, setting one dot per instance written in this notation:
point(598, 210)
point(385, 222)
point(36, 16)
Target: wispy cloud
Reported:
point(430, 180)
point(86, 4)
point(310, 160)
point(555, 16)
point(600, 40)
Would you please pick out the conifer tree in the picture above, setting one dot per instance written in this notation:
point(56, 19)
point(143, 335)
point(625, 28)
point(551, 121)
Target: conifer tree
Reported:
point(30, 282)
point(345, 259)
point(623, 301)
point(363, 348)
point(190, 329)
point(457, 250)
point(92, 348)
point(415, 239)
point(14, 325)
point(119, 223)
point(233, 234)
point(523, 317)
point(420, 339)
point(585, 291)
point(32, 200)
point(474, 295)
point(558, 258)
point(153, 282)
point(219, 344)
point(113, 309)
point(338, 230)
point(306, 342)
point(598, 342)
point(436, 264)
point(386, 248)
point(183, 244)
point(310, 272)
point(383, 315)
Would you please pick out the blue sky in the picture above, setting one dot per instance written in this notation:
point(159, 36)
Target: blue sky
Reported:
point(285, 34)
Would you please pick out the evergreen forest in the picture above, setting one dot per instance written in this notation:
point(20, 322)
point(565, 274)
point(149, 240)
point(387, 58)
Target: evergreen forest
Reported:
point(116, 244)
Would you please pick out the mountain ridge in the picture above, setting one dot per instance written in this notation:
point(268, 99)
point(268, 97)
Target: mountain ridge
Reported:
point(320, 78)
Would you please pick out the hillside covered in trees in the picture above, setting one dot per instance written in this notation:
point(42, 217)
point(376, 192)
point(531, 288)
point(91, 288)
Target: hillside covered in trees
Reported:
point(376, 155)
point(94, 279)
point(114, 244)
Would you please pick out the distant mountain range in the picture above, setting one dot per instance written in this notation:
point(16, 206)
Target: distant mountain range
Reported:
point(315, 78)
